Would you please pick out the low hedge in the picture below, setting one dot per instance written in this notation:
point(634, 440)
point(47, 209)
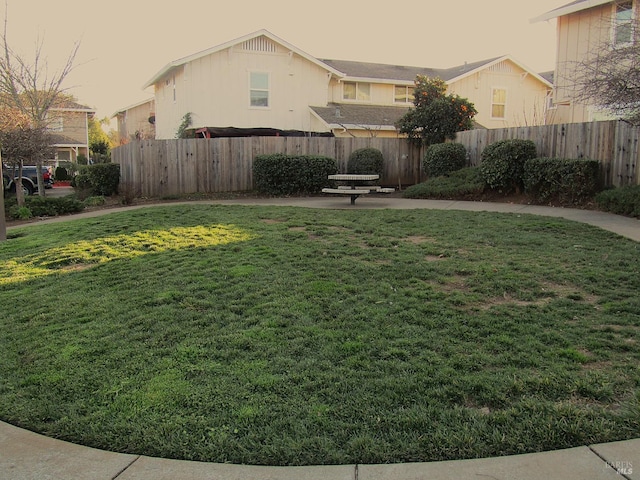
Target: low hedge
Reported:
point(458, 184)
point(621, 200)
point(444, 158)
point(281, 174)
point(37, 206)
point(568, 181)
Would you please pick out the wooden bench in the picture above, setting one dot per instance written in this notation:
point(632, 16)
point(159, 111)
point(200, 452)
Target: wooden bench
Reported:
point(353, 192)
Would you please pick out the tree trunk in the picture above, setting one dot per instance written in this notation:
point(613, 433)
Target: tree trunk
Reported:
point(19, 190)
point(40, 178)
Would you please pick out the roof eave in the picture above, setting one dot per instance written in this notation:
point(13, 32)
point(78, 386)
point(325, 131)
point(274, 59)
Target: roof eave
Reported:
point(496, 61)
point(568, 9)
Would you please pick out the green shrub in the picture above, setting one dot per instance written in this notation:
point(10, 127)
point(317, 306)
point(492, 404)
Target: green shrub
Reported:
point(569, 181)
point(444, 158)
point(503, 162)
point(104, 178)
point(95, 201)
point(463, 182)
point(37, 206)
point(366, 161)
point(622, 200)
point(61, 174)
point(281, 174)
point(98, 179)
point(20, 213)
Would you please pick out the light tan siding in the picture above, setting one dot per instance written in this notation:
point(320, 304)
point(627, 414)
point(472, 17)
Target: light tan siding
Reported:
point(215, 90)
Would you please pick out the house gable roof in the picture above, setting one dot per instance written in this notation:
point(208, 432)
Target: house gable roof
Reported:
point(569, 8)
point(406, 75)
point(71, 106)
point(218, 48)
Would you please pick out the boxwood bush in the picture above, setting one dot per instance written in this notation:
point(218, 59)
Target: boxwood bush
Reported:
point(444, 158)
point(569, 181)
point(366, 161)
point(621, 200)
point(503, 162)
point(281, 174)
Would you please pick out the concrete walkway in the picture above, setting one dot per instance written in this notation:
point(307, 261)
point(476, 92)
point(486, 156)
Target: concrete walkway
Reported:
point(624, 226)
point(26, 455)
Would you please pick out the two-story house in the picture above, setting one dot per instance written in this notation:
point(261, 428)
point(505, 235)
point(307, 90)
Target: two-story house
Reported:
point(262, 82)
point(584, 28)
point(68, 124)
point(136, 122)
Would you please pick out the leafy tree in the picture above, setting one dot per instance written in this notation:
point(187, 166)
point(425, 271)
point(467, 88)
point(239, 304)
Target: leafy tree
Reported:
point(183, 128)
point(99, 141)
point(436, 116)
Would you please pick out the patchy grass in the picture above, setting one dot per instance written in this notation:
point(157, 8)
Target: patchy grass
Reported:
point(288, 336)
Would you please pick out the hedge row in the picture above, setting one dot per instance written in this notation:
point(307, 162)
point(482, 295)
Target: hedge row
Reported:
point(281, 174)
point(37, 206)
point(569, 181)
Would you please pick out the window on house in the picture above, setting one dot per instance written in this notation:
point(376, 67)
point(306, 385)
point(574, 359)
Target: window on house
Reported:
point(174, 88)
point(356, 91)
point(63, 155)
point(259, 89)
point(623, 23)
point(498, 103)
point(403, 94)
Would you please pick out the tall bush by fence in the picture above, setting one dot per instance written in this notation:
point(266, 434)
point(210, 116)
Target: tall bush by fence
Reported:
point(156, 168)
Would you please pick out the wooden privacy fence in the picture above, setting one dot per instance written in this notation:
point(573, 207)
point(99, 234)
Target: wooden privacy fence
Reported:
point(156, 168)
point(614, 143)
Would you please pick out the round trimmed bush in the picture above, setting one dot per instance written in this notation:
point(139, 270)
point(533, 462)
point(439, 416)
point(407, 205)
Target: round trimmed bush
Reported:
point(61, 174)
point(366, 161)
point(502, 166)
point(441, 159)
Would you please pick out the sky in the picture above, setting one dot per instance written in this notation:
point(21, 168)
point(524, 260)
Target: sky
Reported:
point(124, 43)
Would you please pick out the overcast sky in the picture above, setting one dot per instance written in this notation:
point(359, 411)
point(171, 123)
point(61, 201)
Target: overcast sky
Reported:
point(123, 43)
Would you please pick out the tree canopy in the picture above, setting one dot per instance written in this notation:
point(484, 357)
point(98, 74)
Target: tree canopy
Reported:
point(436, 115)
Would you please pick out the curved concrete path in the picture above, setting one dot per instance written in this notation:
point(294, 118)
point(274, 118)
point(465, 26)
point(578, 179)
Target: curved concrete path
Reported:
point(26, 455)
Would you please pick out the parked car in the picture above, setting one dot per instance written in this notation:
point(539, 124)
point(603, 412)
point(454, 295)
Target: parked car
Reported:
point(29, 179)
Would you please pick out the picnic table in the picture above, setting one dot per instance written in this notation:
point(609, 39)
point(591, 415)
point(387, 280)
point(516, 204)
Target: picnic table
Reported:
point(356, 185)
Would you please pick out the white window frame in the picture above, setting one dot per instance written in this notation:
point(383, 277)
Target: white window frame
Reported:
point(408, 96)
point(504, 105)
point(267, 90)
point(358, 92)
point(616, 23)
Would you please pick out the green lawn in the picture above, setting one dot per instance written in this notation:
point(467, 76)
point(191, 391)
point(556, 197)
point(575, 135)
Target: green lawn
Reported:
point(289, 336)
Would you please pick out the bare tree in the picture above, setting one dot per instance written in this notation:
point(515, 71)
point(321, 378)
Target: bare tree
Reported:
point(608, 77)
point(611, 81)
point(30, 88)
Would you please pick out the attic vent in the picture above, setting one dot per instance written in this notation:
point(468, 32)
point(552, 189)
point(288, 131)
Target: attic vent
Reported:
point(502, 67)
point(259, 44)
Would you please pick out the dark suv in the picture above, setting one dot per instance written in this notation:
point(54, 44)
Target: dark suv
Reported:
point(29, 178)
